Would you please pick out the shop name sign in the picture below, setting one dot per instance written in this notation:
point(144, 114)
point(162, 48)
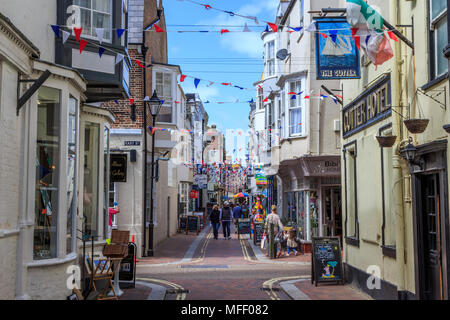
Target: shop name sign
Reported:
point(370, 107)
point(319, 167)
point(118, 168)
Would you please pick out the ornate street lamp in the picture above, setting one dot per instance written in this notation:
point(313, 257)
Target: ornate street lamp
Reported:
point(155, 105)
point(409, 152)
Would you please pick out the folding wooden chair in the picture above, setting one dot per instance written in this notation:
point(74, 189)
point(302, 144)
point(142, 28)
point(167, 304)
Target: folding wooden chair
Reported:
point(103, 269)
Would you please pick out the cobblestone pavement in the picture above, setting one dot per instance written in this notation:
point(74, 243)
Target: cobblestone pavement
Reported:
point(227, 270)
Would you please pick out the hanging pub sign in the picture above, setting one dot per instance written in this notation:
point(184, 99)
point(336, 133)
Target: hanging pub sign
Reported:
point(118, 167)
point(336, 54)
point(371, 106)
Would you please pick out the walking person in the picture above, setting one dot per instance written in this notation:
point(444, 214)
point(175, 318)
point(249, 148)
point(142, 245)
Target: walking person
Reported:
point(225, 219)
point(237, 214)
point(272, 227)
point(215, 221)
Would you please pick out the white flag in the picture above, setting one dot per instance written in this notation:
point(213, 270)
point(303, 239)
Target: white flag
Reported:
point(119, 58)
point(65, 36)
point(246, 29)
point(100, 33)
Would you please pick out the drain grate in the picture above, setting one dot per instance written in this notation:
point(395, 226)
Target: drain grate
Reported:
point(270, 289)
point(177, 291)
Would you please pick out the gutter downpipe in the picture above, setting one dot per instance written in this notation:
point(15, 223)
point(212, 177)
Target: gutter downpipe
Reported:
point(398, 187)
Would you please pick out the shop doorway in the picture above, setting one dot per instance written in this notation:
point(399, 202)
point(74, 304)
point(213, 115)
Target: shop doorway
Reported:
point(429, 234)
point(332, 214)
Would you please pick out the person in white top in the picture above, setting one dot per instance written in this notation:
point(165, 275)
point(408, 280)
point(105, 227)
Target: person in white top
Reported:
point(272, 227)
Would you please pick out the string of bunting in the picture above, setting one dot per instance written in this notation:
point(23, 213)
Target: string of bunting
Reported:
point(59, 32)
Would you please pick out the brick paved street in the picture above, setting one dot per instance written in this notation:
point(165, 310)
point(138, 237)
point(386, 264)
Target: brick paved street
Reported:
point(195, 267)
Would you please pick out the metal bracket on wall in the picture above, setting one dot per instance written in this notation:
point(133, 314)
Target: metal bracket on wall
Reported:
point(29, 93)
point(433, 97)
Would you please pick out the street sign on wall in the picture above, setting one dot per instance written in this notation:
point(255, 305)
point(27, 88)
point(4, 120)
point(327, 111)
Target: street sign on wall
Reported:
point(201, 180)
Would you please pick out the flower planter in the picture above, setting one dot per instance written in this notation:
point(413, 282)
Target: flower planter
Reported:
point(386, 141)
point(416, 125)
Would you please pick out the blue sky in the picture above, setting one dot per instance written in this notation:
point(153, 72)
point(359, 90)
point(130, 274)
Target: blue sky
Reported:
point(231, 58)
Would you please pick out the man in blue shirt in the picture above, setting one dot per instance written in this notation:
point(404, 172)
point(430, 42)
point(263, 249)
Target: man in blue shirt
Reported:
point(225, 217)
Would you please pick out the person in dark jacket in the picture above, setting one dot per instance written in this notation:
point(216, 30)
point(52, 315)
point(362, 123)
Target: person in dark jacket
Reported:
point(237, 214)
point(226, 216)
point(215, 220)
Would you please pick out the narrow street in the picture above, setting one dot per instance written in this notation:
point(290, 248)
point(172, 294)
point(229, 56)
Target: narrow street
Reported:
point(191, 267)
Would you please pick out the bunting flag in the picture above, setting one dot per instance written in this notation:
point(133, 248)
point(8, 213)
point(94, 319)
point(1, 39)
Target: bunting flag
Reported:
point(182, 78)
point(207, 6)
point(55, 30)
point(296, 29)
point(100, 34)
point(368, 21)
point(273, 26)
point(139, 63)
point(83, 44)
point(158, 29)
point(77, 32)
point(333, 35)
point(224, 31)
point(131, 101)
point(101, 50)
point(119, 58)
point(312, 27)
point(246, 28)
point(196, 82)
point(392, 36)
point(120, 33)
point(65, 36)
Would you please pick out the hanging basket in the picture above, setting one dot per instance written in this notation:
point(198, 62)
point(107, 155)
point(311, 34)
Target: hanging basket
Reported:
point(386, 141)
point(416, 125)
point(447, 128)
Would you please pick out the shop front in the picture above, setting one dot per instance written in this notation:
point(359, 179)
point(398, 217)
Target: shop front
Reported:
point(312, 197)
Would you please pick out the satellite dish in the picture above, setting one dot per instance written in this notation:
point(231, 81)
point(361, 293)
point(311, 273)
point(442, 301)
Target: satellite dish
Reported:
point(282, 54)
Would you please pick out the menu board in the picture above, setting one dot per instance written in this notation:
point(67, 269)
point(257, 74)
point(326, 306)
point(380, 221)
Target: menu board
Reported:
point(258, 232)
point(183, 223)
point(326, 258)
point(193, 223)
point(244, 226)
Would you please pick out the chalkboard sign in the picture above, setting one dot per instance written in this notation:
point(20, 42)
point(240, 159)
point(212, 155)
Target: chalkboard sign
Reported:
point(183, 223)
point(193, 223)
point(244, 226)
point(258, 232)
point(326, 258)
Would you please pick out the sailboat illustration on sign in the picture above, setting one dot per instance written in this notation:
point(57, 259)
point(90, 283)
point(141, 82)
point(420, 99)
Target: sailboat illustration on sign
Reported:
point(339, 48)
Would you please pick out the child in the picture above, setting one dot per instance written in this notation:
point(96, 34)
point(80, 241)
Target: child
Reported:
point(291, 243)
point(282, 245)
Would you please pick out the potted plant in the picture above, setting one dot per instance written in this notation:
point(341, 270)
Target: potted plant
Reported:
point(386, 141)
point(416, 125)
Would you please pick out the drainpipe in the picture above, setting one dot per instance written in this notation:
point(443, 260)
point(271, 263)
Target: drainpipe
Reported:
point(318, 121)
point(397, 162)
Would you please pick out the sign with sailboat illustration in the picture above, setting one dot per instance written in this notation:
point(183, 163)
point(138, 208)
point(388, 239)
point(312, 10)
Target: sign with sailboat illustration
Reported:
point(336, 54)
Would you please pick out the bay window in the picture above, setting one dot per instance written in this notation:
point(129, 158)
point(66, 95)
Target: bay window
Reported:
point(95, 14)
point(295, 109)
point(91, 178)
point(270, 59)
point(438, 37)
point(164, 92)
point(47, 174)
point(72, 151)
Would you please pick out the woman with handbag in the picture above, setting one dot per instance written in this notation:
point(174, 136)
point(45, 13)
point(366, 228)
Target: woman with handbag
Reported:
point(272, 227)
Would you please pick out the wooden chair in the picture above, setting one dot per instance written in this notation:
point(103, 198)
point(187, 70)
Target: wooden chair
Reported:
point(103, 269)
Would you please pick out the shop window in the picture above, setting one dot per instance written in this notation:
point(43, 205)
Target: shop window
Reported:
point(72, 151)
point(388, 228)
point(47, 174)
point(95, 14)
point(164, 92)
point(260, 98)
point(351, 229)
point(295, 109)
point(438, 37)
point(106, 178)
point(91, 178)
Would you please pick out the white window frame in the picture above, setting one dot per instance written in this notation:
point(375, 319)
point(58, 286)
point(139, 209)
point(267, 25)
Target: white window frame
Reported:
point(168, 100)
point(442, 16)
point(93, 34)
point(260, 93)
point(269, 59)
point(300, 104)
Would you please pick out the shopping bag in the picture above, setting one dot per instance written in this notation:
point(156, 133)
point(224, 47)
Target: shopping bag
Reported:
point(263, 242)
